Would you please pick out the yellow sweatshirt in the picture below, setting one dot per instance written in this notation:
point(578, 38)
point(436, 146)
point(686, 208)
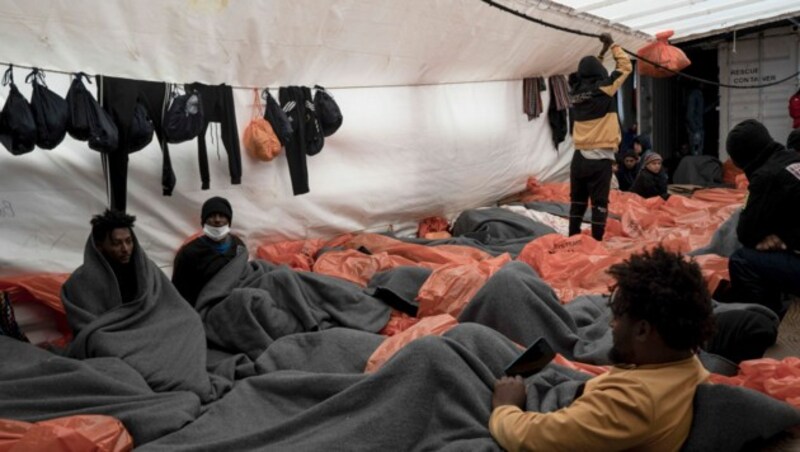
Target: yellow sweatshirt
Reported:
point(595, 110)
point(647, 408)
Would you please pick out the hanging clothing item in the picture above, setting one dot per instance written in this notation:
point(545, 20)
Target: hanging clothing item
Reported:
point(558, 83)
point(183, 118)
point(137, 108)
point(293, 101)
point(531, 96)
point(557, 111)
point(218, 107)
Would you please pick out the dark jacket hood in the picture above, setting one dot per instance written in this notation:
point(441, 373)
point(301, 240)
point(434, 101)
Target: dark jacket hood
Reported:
point(644, 140)
point(749, 145)
point(591, 69)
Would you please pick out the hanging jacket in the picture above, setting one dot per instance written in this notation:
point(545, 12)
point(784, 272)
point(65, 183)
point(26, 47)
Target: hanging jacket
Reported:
point(594, 105)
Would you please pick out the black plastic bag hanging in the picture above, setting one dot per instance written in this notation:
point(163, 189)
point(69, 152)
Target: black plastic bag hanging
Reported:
point(328, 112)
point(277, 118)
point(17, 127)
point(81, 111)
point(141, 130)
point(184, 119)
point(50, 112)
point(88, 121)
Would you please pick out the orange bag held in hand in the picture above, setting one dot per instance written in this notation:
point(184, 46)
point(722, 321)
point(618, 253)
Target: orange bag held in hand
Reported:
point(664, 54)
point(259, 137)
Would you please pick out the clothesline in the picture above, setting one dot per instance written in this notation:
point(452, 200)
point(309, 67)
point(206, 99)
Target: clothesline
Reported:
point(249, 88)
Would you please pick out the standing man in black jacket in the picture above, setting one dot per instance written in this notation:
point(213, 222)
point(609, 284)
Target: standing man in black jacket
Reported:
point(769, 226)
point(596, 135)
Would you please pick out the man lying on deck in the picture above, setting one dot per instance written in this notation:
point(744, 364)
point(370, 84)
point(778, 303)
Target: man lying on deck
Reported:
point(769, 225)
point(199, 260)
point(662, 313)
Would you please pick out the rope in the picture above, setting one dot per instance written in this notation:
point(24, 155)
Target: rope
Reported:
point(595, 35)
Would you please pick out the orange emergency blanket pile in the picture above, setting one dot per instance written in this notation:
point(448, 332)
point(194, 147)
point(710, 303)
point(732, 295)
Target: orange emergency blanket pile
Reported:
point(576, 265)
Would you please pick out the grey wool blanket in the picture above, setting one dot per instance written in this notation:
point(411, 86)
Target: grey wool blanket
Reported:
point(518, 303)
point(158, 333)
point(435, 394)
point(247, 305)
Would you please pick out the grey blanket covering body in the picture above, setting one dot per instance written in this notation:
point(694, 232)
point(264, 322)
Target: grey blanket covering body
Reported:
point(247, 305)
point(306, 390)
point(158, 333)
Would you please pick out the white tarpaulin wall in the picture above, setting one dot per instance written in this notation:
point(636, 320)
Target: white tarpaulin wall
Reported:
point(404, 152)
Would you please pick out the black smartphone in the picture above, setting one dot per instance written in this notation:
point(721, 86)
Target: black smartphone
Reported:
point(532, 360)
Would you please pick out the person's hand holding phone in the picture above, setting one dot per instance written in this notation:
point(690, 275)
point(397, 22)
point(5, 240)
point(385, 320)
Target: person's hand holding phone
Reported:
point(510, 391)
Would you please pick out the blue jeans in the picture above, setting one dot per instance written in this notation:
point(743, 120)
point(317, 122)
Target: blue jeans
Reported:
point(762, 276)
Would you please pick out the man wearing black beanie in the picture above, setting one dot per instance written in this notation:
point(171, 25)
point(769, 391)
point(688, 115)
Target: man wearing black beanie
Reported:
point(199, 260)
point(769, 226)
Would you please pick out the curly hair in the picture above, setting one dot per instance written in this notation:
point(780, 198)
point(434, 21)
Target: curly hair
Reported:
point(669, 292)
point(103, 224)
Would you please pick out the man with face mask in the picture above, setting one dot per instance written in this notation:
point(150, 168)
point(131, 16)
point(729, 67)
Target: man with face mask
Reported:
point(199, 260)
point(662, 313)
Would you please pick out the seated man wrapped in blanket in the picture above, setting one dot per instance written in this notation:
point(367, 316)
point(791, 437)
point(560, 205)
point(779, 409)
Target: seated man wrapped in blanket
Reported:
point(246, 305)
point(145, 362)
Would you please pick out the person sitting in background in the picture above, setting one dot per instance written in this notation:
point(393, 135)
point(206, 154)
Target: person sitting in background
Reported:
point(650, 181)
point(793, 141)
point(768, 264)
point(626, 173)
point(641, 147)
point(671, 163)
point(199, 260)
point(627, 138)
point(662, 313)
point(112, 236)
point(614, 180)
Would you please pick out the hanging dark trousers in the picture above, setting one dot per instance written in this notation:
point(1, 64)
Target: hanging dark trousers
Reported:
point(293, 101)
point(119, 97)
point(218, 107)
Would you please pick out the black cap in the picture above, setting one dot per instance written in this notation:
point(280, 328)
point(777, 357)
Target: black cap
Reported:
point(747, 142)
point(214, 205)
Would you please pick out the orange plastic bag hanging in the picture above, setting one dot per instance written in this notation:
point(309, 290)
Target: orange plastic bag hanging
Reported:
point(664, 54)
point(259, 138)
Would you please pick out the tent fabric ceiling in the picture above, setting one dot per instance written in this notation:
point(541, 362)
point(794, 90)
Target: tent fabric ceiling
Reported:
point(335, 43)
point(689, 19)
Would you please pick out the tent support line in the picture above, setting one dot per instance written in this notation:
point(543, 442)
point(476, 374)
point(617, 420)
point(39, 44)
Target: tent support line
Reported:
point(595, 35)
point(250, 88)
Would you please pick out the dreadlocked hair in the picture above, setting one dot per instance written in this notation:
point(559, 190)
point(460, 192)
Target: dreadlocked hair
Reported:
point(103, 224)
point(669, 292)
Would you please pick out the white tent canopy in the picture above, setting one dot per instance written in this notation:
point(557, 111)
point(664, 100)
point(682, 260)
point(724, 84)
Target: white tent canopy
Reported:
point(430, 91)
point(689, 19)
